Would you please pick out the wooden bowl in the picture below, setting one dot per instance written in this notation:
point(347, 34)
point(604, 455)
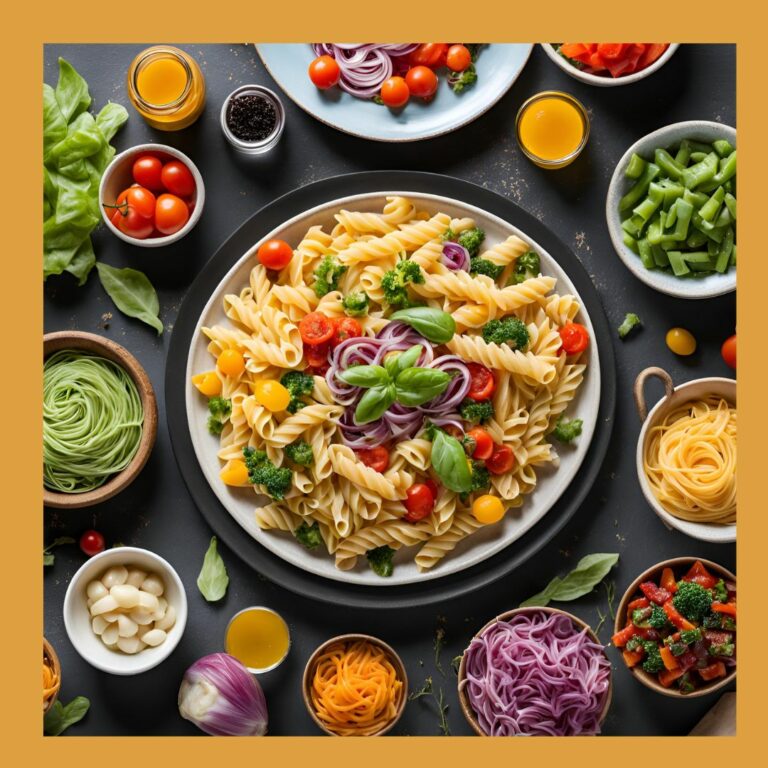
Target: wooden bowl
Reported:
point(99, 345)
point(678, 565)
point(50, 654)
point(466, 707)
point(309, 671)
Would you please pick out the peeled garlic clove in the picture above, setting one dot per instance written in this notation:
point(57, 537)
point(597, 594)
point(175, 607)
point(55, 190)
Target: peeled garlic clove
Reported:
point(111, 616)
point(105, 605)
point(153, 585)
point(99, 624)
point(143, 629)
point(127, 596)
point(154, 637)
point(162, 607)
point(136, 577)
point(147, 601)
point(126, 627)
point(96, 590)
point(142, 618)
point(115, 576)
point(110, 635)
point(130, 644)
point(168, 620)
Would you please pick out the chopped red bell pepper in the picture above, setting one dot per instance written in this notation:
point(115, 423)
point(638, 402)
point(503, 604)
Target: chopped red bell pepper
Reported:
point(654, 593)
point(641, 602)
point(676, 618)
point(668, 580)
point(668, 676)
point(713, 671)
point(622, 636)
point(669, 659)
point(632, 658)
point(700, 575)
point(728, 608)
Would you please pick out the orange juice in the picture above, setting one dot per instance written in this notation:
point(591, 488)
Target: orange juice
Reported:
point(161, 81)
point(257, 637)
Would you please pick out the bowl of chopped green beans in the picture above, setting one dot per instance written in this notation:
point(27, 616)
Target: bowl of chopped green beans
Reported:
point(671, 209)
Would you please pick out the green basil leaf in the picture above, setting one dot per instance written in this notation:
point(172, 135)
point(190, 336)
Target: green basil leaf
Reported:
point(589, 572)
point(450, 462)
point(213, 579)
point(110, 119)
point(59, 717)
point(418, 385)
point(71, 91)
point(82, 262)
point(54, 123)
point(74, 206)
point(364, 376)
point(433, 324)
point(132, 293)
point(374, 402)
point(83, 140)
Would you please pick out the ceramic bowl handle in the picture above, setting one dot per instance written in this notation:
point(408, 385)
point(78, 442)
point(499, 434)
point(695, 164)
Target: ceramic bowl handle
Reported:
point(642, 377)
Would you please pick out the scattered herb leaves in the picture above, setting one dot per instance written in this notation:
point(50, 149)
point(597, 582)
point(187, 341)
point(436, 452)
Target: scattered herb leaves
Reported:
point(425, 690)
point(213, 579)
point(132, 293)
point(59, 717)
point(48, 556)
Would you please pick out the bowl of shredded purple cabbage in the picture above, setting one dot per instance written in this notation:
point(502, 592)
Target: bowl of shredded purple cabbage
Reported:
point(535, 672)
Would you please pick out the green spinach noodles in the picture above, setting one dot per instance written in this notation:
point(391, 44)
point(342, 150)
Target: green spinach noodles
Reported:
point(92, 421)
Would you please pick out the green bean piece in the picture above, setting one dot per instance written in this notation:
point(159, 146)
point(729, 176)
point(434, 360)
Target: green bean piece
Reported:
point(676, 261)
point(705, 265)
point(640, 188)
point(635, 167)
point(683, 153)
point(730, 186)
point(713, 248)
point(648, 207)
point(703, 171)
point(710, 209)
point(724, 218)
point(696, 239)
point(727, 169)
point(733, 256)
point(655, 232)
point(633, 225)
point(699, 146)
point(629, 241)
point(723, 147)
point(730, 202)
point(724, 257)
point(696, 199)
point(697, 157)
point(671, 217)
point(671, 193)
point(667, 163)
point(646, 256)
point(660, 256)
point(684, 213)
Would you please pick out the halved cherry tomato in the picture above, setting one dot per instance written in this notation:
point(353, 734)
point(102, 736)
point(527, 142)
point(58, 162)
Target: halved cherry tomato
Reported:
point(324, 72)
point(275, 254)
point(483, 443)
point(574, 337)
point(131, 223)
point(698, 573)
point(178, 179)
point(315, 328)
point(147, 171)
point(433, 486)
point(421, 82)
point(376, 458)
point(171, 214)
point(728, 351)
point(142, 200)
point(207, 383)
point(317, 356)
point(481, 383)
point(345, 328)
point(395, 92)
point(501, 460)
point(429, 55)
point(458, 58)
point(419, 501)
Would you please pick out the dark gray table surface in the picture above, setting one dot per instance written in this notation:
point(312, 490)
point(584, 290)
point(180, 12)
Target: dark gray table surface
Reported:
point(157, 513)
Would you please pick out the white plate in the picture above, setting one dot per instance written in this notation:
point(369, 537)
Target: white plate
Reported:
point(240, 502)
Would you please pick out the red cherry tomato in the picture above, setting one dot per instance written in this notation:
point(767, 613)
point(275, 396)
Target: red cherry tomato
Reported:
point(429, 55)
point(130, 223)
point(395, 93)
point(501, 460)
point(419, 501)
point(728, 351)
point(376, 458)
point(483, 443)
point(275, 254)
point(458, 58)
point(141, 199)
point(421, 82)
point(575, 338)
point(315, 328)
point(147, 171)
point(171, 214)
point(92, 542)
point(178, 179)
point(345, 328)
point(317, 357)
point(433, 486)
point(481, 383)
point(324, 72)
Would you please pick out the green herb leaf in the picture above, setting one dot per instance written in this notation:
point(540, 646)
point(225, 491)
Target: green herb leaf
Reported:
point(54, 123)
point(132, 293)
point(71, 91)
point(589, 572)
point(213, 579)
point(396, 362)
point(450, 462)
point(110, 119)
point(433, 324)
point(82, 262)
point(415, 386)
point(364, 376)
point(59, 717)
point(48, 557)
point(374, 402)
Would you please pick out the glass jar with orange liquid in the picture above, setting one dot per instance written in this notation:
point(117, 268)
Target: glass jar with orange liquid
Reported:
point(259, 638)
point(166, 87)
point(552, 128)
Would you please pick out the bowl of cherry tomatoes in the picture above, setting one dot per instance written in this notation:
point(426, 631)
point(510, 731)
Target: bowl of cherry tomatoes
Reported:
point(151, 195)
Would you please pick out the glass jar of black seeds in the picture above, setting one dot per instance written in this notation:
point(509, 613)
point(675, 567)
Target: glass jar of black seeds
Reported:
point(252, 119)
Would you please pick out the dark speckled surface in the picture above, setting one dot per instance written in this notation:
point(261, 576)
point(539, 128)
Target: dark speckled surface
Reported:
point(157, 512)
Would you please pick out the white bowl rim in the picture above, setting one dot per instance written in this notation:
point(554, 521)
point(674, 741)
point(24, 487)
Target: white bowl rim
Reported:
point(155, 242)
point(167, 647)
point(603, 81)
point(716, 534)
point(661, 281)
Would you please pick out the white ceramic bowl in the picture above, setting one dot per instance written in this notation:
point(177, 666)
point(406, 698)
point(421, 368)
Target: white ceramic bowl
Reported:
point(118, 176)
point(77, 618)
point(675, 396)
point(606, 81)
point(666, 282)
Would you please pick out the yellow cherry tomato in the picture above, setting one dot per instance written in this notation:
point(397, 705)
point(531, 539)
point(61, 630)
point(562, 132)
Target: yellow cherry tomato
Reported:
point(488, 509)
point(231, 362)
point(272, 394)
point(234, 473)
point(680, 341)
point(208, 383)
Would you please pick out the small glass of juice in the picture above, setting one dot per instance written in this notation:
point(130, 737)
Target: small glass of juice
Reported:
point(166, 87)
point(552, 128)
point(259, 638)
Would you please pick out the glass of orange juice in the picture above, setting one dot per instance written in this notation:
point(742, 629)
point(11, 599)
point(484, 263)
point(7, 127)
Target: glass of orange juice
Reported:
point(259, 638)
point(552, 128)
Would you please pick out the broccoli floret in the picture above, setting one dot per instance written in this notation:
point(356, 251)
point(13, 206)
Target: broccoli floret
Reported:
point(635, 643)
point(480, 477)
point(565, 431)
point(298, 384)
point(327, 275)
point(355, 304)
point(459, 81)
point(380, 560)
point(476, 412)
point(723, 649)
point(678, 649)
point(300, 452)
point(219, 409)
point(719, 621)
point(449, 234)
point(721, 592)
point(631, 320)
point(511, 331)
point(394, 283)
point(526, 266)
point(653, 662)
point(478, 266)
point(657, 619)
point(261, 471)
point(685, 684)
point(308, 535)
point(692, 600)
point(690, 636)
point(471, 239)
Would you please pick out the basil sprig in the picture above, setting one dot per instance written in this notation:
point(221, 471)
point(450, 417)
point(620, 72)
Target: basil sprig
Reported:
point(433, 324)
point(450, 462)
point(213, 579)
point(60, 716)
point(398, 380)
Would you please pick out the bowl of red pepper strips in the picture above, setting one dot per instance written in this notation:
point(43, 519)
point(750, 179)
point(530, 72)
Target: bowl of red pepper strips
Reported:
point(676, 627)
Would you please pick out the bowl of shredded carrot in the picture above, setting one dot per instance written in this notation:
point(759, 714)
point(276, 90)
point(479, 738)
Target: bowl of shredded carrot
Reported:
point(51, 676)
point(355, 685)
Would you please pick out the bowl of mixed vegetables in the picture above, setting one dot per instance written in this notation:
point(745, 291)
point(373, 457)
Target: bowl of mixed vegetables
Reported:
point(676, 627)
point(671, 209)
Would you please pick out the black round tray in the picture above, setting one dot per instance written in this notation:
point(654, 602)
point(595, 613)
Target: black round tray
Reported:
point(282, 572)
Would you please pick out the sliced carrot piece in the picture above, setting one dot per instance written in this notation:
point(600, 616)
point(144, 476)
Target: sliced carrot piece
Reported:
point(728, 608)
point(670, 662)
point(632, 658)
point(668, 676)
point(713, 671)
point(573, 50)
